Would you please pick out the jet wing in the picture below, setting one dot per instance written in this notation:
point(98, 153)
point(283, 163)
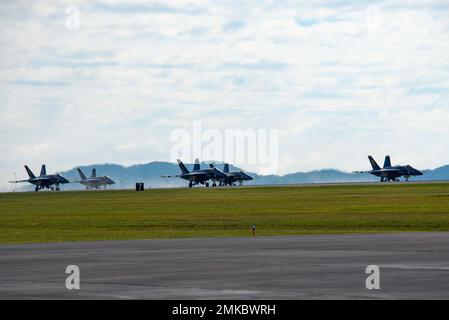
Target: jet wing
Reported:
point(44, 178)
point(193, 174)
point(60, 179)
point(219, 174)
point(109, 180)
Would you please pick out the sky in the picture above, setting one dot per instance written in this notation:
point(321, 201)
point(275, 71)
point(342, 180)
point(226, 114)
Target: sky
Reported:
point(86, 82)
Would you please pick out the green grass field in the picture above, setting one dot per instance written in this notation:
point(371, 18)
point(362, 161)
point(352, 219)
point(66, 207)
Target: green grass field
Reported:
point(227, 212)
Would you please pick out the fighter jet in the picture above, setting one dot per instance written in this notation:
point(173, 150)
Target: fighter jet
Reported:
point(198, 175)
point(389, 172)
point(94, 181)
point(44, 180)
point(232, 177)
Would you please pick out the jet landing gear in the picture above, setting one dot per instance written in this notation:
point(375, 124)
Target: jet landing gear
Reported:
point(385, 179)
point(55, 188)
point(206, 184)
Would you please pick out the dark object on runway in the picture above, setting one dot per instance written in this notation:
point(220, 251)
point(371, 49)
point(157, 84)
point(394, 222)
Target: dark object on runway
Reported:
point(389, 172)
point(140, 186)
point(44, 180)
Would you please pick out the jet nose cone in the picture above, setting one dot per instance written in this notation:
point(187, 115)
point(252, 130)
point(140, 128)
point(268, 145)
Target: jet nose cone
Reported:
point(62, 179)
point(247, 177)
point(414, 171)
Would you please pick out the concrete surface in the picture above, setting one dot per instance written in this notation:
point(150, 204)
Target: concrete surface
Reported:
point(412, 265)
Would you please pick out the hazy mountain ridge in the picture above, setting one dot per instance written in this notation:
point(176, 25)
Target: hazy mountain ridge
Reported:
point(150, 174)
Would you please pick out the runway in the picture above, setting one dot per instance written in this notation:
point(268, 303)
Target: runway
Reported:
point(249, 185)
point(412, 266)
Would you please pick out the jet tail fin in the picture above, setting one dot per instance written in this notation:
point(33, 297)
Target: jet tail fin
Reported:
point(183, 168)
point(226, 168)
point(81, 173)
point(94, 173)
point(387, 162)
point(373, 163)
point(196, 166)
point(43, 170)
point(30, 173)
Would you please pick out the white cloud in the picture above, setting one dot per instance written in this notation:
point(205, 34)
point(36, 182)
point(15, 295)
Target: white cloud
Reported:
point(340, 81)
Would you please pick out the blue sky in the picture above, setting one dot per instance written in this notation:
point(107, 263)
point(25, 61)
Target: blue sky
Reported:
point(339, 79)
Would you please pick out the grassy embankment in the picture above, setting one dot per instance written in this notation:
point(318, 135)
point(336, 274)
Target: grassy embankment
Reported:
point(222, 212)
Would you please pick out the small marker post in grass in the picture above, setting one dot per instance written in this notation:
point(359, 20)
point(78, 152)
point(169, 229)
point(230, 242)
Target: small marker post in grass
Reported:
point(253, 227)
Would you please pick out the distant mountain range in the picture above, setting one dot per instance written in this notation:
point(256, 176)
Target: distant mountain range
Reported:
point(151, 173)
